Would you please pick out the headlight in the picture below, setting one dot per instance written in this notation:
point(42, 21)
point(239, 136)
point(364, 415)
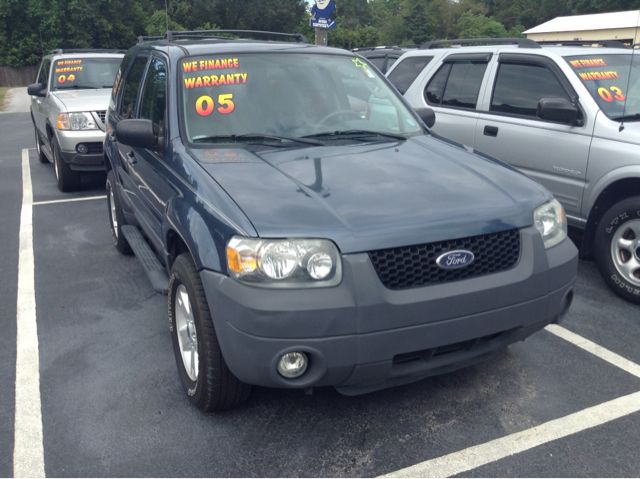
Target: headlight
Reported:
point(284, 263)
point(551, 222)
point(76, 121)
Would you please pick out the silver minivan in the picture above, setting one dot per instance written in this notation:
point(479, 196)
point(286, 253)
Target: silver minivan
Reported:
point(567, 116)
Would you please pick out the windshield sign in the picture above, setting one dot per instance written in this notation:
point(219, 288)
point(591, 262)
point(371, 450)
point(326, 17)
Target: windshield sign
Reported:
point(612, 80)
point(284, 97)
point(79, 73)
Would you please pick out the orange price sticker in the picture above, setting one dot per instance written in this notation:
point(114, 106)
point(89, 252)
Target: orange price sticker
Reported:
point(205, 104)
point(611, 93)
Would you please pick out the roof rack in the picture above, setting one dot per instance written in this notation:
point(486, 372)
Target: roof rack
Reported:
point(380, 47)
point(60, 51)
point(585, 43)
point(171, 35)
point(142, 39)
point(521, 42)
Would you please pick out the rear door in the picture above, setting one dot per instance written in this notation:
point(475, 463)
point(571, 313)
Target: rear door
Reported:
point(554, 154)
point(454, 93)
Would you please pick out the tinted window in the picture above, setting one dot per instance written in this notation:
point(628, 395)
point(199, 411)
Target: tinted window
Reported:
point(121, 70)
point(519, 88)
point(407, 71)
point(132, 83)
point(43, 76)
point(435, 87)
point(377, 61)
point(391, 61)
point(463, 84)
point(154, 95)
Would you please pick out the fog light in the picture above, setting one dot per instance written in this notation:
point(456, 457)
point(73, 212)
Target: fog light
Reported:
point(292, 365)
point(82, 149)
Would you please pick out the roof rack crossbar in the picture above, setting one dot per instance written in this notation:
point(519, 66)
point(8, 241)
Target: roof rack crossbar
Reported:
point(380, 47)
point(171, 35)
point(585, 43)
point(521, 42)
point(60, 51)
point(143, 38)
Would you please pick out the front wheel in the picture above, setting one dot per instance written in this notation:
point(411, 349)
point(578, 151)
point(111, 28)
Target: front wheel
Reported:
point(617, 248)
point(204, 374)
point(67, 179)
point(116, 216)
point(42, 158)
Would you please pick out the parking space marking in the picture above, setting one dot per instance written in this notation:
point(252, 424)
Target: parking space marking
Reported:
point(69, 200)
point(593, 348)
point(28, 453)
point(476, 456)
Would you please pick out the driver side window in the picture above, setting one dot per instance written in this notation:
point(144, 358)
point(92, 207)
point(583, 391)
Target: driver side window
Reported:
point(154, 95)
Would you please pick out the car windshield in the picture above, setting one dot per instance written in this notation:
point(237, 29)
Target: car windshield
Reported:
point(278, 97)
point(612, 80)
point(78, 73)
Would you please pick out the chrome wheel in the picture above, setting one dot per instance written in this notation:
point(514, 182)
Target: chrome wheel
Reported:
point(186, 332)
point(625, 251)
point(38, 144)
point(114, 215)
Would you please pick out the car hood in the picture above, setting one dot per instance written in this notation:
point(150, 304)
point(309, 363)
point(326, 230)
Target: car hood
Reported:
point(374, 196)
point(84, 100)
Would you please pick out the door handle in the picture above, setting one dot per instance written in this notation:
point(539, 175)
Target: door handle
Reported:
point(490, 131)
point(131, 158)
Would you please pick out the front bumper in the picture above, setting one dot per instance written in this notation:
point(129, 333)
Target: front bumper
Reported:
point(91, 161)
point(360, 336)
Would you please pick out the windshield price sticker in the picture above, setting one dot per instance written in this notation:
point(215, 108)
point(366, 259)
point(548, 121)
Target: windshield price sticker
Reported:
point(205, 104)
point(611, 93)
point(594, 62)
point(65, 66)
point(64, 78)
point(213, 80)
point(589, 76)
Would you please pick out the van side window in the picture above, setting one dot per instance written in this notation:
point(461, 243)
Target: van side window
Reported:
point(407, 71)
point(519, 88)
point(460, 87)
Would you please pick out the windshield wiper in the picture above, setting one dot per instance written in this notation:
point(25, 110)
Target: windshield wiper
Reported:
point(251, 138)
point(634, 117)
point(356, 134)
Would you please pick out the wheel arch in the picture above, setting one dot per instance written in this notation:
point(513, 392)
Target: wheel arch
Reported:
point(605, 196)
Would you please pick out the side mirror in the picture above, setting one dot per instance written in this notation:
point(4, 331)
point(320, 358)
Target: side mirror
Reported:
point(37, 89)
point(427, 115)
point(136, 133)
point(557, 109)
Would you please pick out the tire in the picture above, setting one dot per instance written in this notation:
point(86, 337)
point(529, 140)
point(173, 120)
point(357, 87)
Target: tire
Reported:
point(42, 158)
point(204, 374)
point(617, 248)
point(67, 179)
point(116, 216)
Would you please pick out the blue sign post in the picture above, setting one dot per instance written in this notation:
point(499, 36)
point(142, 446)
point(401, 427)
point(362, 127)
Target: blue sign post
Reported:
point(320, 14)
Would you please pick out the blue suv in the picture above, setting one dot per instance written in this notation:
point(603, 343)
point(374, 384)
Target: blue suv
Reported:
point(308, 227)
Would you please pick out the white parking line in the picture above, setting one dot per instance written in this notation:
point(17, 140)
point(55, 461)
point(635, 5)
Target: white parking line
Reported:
point(69, 200)
point(476, 456)
point(28, 453)
point(480, 455)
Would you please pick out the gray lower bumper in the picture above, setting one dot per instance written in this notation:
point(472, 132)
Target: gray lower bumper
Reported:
point(360, 336)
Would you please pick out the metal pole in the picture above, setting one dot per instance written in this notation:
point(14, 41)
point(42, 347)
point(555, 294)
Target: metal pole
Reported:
point(322, 37)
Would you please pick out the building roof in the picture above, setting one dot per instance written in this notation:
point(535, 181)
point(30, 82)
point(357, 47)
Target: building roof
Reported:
point(597, 21)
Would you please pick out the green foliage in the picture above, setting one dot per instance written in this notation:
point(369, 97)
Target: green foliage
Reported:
point(30, 28)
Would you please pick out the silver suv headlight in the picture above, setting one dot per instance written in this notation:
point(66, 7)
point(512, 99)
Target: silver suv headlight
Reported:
point(551, 222)
point(77, 121)
point(284, 263)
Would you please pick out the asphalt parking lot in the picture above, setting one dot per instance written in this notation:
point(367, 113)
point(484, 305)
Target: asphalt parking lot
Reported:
point(564, 403)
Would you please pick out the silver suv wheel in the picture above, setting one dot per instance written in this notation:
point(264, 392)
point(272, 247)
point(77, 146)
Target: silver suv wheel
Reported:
point(625, 251)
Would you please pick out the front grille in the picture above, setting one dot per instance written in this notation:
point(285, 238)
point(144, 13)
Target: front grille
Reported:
point(412, 266)
point(102, 115)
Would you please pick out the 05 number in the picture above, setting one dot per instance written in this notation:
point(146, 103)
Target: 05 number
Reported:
point(205, 104)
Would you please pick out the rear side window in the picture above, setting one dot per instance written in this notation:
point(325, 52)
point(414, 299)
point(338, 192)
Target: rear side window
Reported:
point(456, 84)
point(407, 71)
point(519, 88)
point(131, 86)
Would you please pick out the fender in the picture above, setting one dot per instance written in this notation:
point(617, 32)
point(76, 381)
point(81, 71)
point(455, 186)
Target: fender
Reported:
point(623, 173)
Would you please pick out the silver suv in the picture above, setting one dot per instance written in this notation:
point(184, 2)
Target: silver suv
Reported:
point(68, 106)
point(566, 115)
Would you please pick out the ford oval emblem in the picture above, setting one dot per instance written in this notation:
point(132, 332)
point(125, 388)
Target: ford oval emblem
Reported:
point(455, 259)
